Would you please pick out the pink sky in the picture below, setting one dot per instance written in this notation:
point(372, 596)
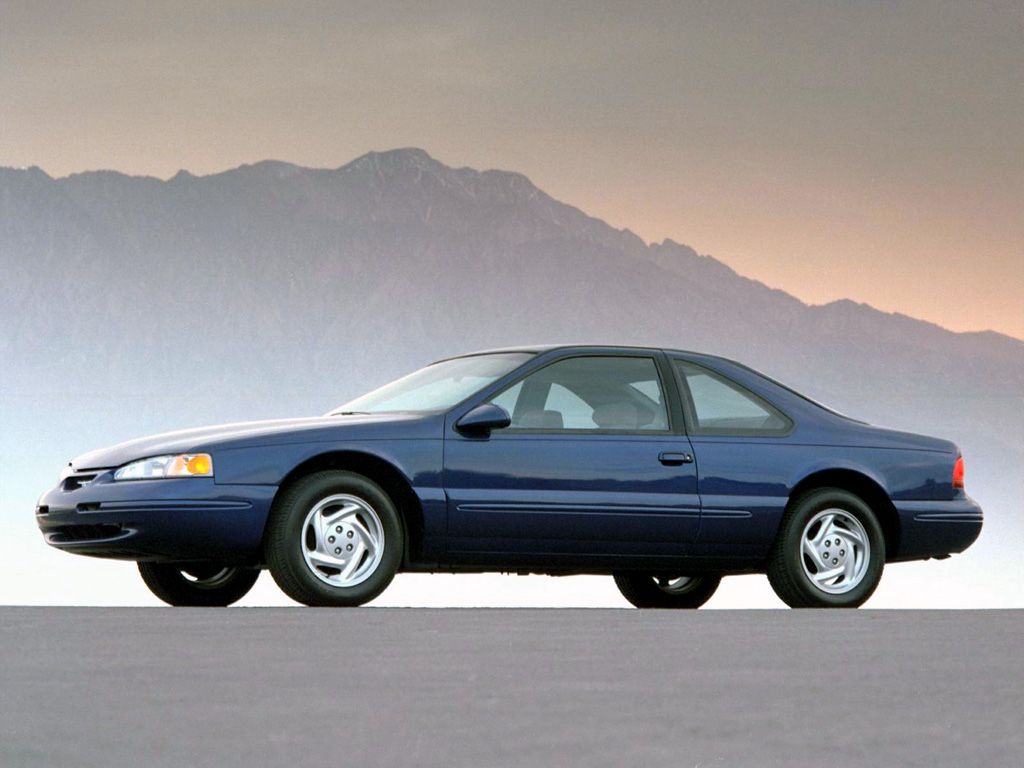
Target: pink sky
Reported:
point(856, 151)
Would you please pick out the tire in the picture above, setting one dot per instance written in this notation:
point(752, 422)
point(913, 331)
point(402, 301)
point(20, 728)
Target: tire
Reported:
point(646, 590)
point(198, 584)
point(794, 568)
point(334, 539)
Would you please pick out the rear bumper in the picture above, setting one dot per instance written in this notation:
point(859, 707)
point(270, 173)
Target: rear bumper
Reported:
point(937, 528)
point(172, 520)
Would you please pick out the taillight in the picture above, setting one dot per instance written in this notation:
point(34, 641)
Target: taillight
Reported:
point(958, 473)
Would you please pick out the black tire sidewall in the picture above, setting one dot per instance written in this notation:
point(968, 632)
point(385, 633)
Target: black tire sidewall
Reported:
point(641, 590)
point(791, 555)
point(284, 547)
point(166, 581)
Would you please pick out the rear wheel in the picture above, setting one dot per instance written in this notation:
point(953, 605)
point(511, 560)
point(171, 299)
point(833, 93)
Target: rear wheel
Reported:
point(646, 590)
point(198, 584)
point(829, 553)
point(334, 539)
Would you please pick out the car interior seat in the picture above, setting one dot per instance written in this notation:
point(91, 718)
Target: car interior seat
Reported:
point(619, 415)
point(538, 419)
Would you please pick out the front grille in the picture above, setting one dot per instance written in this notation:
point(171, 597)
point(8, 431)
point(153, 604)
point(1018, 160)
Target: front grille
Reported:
point(93, 532)
point(73, 482)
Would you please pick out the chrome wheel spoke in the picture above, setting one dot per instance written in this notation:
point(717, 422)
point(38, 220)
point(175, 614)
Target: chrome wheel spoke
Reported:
point(825, 529)
point(850, 568)
point(674, 585)
point(340, 514)
point(368, 539)
point(347, 541)
point(811, 551)
point(324, 559)
point(319, 526)
point(353, 562)
point(836, 556)
point(209, 581)
point(854, 536)
point(823, 577)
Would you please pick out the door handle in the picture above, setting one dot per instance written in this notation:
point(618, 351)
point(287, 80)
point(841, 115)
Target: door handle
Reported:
point(675, 459)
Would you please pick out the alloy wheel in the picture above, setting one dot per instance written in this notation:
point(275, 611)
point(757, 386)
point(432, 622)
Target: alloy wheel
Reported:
point(835, 551)
point(342, 540)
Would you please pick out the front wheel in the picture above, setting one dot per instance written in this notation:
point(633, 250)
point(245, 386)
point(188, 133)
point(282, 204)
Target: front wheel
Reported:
point(829, 553)
point(334, 539)
point(647, 590)
point(198, 584)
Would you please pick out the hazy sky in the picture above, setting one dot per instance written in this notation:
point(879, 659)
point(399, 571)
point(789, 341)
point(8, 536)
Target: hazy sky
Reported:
point(869, 150)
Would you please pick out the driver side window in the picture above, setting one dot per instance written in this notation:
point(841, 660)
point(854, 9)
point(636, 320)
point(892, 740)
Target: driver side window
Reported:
point(600, 394)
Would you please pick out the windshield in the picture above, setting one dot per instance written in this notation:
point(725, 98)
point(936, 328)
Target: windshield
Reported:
point(437, 387)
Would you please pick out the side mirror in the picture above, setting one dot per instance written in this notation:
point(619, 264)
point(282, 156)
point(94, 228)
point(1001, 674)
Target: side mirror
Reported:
point(482, 419)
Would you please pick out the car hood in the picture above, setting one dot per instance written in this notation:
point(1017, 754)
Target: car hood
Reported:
point(254, 433)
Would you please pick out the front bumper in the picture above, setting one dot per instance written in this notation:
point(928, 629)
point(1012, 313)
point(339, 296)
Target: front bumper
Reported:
point(937, 528)
point(177, 519)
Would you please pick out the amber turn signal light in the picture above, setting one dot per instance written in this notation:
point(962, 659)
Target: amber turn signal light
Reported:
point(198, 465)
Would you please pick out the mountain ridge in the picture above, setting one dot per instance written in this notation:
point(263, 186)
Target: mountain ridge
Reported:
point(489, 186)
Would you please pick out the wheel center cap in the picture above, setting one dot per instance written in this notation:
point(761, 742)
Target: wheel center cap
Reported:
point(834, 551)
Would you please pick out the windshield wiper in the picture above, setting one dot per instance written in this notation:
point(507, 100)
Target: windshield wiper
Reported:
point(351, 413)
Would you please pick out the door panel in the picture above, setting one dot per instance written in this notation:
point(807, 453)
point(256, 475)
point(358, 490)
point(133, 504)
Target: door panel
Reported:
point(589, 467)
point(570, 494)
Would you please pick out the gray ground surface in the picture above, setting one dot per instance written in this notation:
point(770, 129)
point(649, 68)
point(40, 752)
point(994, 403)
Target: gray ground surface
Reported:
point(403, 687)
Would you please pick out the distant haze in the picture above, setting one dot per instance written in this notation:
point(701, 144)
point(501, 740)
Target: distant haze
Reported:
point(870, 151)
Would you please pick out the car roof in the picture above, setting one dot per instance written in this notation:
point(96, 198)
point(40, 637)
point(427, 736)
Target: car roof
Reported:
point(540, 348)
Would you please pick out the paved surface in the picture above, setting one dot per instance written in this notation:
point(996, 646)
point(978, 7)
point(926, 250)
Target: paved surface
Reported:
point(402, 687)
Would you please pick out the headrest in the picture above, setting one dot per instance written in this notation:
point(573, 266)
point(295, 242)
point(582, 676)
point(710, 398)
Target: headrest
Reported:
point(623, 415)
point(541, 420)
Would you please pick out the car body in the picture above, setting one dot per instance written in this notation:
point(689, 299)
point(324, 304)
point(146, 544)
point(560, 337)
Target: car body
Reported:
point(680, 493)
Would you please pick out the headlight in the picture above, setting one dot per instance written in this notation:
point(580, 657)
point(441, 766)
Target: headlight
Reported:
point(182, 465)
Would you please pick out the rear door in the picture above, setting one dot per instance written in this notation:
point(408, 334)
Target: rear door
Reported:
point(595, 465)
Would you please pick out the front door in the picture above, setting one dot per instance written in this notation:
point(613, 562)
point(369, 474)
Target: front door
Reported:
point(592, 468)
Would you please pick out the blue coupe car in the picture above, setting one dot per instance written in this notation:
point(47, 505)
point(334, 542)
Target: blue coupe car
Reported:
point(664, 469)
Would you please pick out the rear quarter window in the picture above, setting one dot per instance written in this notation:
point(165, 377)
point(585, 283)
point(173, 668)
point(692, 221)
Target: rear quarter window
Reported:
point(718, 406)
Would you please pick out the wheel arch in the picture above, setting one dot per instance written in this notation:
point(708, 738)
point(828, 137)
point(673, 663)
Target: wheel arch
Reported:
point(381, 471)
point(865, 487)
